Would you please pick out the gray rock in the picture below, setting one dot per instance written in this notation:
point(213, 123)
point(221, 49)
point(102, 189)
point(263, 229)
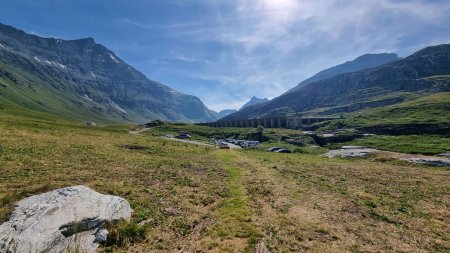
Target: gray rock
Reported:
point(350, 151)
point(101, 235)
point(90, 123)
point(446, 154)
point(430, 161)
point(353, 147)
point(61, 220)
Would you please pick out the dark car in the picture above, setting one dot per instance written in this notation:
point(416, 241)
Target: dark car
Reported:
point(183, 136)
point(273, 149)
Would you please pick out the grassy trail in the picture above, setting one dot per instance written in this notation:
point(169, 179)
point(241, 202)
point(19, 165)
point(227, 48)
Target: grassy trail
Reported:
point(236, 226)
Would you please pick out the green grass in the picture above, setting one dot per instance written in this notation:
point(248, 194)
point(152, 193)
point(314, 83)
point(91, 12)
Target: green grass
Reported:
point(234, 212)
point(30, 95)
point(433, 108)
point(412, 144)
point(228, 199)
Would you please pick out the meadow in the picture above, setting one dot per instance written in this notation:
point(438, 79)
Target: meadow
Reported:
point(191, 198)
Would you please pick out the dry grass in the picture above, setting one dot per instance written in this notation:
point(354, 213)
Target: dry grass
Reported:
point(228, 200)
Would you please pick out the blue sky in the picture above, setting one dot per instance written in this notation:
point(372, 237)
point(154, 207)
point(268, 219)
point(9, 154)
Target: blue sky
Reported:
point(226, 51)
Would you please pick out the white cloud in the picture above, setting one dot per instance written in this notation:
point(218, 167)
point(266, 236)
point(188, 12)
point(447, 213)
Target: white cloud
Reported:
point(268, 46)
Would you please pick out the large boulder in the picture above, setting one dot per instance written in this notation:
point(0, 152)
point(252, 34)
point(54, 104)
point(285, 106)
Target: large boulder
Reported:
point(62, 220)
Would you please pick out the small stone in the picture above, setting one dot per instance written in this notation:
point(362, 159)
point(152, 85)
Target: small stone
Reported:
point(173, 211)
point(90, 123)
point(101, 236)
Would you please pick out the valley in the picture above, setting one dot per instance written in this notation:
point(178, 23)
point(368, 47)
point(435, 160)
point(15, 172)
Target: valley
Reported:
point(230, 151)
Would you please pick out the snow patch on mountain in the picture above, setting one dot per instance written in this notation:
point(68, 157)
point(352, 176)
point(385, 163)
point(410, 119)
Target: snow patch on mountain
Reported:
point(57, 64)
point(113, 58)
point(117, 107)
point(85, 96)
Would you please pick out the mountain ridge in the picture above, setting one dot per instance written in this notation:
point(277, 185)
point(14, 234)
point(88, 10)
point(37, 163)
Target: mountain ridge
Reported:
point(89, 77)
point(405, 75)
point(254, 101)
point(364, 61)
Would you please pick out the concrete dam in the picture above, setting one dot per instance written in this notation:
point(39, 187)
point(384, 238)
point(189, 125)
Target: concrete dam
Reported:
point(290, 122)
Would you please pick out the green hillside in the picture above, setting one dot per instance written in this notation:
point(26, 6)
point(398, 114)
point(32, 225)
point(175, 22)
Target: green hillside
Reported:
point(42, 99)
point(419, 114)
point(83, 80)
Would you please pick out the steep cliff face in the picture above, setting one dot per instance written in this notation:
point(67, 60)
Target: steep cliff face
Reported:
point(90, 79)
point(406, 75)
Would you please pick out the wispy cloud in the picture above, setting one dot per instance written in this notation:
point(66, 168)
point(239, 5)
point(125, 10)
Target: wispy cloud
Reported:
point(150, 26)
point(268, 46)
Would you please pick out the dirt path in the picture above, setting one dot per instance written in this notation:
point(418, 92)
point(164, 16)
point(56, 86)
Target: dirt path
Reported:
point(191, 142)
point(139, 131)
point(233, 146)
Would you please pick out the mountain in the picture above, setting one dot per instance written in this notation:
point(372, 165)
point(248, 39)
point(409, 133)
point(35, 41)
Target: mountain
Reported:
point(254, 101)
point(83, 80)
point(414, 76)
point(225, 113)
point(366, 61)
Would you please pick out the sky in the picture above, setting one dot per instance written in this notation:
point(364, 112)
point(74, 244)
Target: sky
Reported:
point(226, 51)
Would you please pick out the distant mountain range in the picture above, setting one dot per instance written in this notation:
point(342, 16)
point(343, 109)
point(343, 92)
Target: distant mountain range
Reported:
point(225, 113)
point(391, 83)
point(83, 80)
point(254, 101)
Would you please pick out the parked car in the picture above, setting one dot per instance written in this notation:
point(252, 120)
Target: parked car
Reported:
point(183, 136)
point(273, 149)
point(250, 144)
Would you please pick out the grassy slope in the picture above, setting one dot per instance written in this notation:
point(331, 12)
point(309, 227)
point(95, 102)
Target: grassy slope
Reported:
point(38, 97)
point(434, 108)
point(230, 199)
point(412, 144)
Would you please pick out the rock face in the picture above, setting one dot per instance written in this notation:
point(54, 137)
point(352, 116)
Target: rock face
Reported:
point(61, 220)
point(350, 151)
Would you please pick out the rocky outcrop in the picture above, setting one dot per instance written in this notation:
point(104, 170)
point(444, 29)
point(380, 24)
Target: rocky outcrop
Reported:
point(61, 220)
point(350, 152)
point(446, 154)
point(430, 161)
